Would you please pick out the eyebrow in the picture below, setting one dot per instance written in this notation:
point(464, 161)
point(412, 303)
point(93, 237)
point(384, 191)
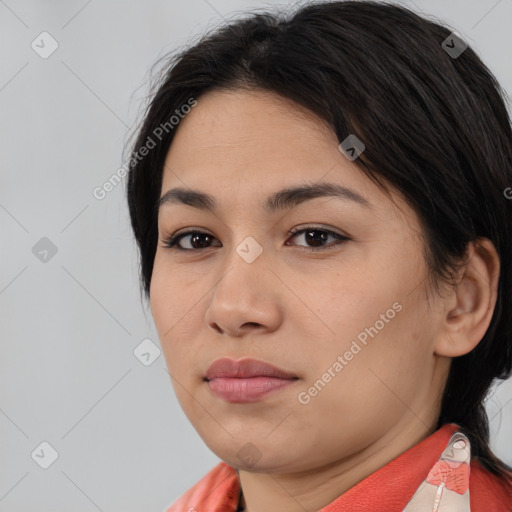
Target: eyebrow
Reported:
point(286, 198)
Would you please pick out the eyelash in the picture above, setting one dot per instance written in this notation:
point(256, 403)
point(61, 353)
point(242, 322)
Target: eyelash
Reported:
point(173, 241)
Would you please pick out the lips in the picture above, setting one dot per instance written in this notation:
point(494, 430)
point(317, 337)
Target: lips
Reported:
point(245, 368)
point(247, 380)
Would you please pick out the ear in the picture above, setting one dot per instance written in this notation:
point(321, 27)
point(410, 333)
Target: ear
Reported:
point(469, 306)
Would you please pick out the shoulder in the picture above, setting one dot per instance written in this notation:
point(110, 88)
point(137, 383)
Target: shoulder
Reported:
point(487, 490)
point(217, 491)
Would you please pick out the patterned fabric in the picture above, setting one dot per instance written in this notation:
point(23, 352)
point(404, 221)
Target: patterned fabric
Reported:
point(446, 487)
point(436, 475)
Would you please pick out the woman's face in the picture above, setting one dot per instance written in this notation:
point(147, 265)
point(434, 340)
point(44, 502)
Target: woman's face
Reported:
point(347, 319)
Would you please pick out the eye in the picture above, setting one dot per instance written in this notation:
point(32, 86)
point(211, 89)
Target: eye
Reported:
point(317, 235)
point(199, 239)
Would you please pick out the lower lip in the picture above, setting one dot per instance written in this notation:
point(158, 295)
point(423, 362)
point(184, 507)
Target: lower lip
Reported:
point(238, 390)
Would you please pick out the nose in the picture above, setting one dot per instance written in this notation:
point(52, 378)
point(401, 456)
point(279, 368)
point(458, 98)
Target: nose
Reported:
point(245, 298)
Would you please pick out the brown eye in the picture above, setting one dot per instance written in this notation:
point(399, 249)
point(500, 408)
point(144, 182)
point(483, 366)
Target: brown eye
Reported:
point(198, 240)
point(317, 237)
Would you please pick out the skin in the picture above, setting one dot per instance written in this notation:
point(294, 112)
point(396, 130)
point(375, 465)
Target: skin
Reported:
point(300, 309)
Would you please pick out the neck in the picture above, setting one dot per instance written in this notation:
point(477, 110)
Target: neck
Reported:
point(313, 489)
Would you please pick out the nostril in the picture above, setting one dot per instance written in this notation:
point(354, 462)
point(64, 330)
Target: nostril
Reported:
point(251, 324)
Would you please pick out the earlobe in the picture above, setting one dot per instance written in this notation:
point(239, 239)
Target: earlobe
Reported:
point(470, 305)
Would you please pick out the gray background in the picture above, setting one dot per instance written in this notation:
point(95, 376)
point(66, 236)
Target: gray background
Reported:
point(70, 325)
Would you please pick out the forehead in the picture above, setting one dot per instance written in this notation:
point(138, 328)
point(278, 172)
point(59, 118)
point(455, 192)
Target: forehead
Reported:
point(249, 123)
point(256, 129)
point(248, 143)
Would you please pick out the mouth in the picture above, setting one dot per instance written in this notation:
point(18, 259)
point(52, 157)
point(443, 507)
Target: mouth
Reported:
point(246, 380)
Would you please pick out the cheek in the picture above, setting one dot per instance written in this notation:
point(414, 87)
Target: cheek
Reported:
point(177, 306)
point(381, 330)
point(169, 304)
point(162, 297)
point(383, 378)
point(356, 306)
point(170, 292)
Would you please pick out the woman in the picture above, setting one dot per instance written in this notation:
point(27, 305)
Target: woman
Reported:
point(320, 204)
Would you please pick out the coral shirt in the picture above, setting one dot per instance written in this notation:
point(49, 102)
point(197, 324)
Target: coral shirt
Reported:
point(427, 477)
